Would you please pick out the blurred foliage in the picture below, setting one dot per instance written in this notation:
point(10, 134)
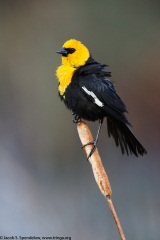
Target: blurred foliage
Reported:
point(47, 187)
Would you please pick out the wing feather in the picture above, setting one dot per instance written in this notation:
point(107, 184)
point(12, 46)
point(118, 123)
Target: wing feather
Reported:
point(105, 92)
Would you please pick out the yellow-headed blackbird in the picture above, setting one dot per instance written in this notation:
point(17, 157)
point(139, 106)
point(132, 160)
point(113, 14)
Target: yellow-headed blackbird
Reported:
point(85, 89)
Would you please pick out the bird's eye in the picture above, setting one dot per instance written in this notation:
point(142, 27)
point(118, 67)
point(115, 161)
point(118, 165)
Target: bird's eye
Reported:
point(71, 50)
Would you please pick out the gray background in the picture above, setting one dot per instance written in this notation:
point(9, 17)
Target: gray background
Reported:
point(46, 184)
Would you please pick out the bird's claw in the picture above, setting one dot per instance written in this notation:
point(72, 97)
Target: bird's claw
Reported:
point(76, 118)
point(93, 148)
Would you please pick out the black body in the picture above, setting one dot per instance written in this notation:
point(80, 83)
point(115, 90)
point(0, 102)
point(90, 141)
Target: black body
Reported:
point(94, 78)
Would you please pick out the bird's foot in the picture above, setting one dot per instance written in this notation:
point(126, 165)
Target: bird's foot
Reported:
point(94, 143)
point(76, 118)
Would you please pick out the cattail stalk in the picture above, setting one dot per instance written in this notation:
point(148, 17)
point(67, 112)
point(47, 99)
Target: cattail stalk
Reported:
point(98, 171)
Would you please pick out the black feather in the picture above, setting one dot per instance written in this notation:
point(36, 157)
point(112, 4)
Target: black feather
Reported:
point(93, 77)
point(124, 137)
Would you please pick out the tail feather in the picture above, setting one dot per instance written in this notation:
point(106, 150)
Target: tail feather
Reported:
point(125, 138)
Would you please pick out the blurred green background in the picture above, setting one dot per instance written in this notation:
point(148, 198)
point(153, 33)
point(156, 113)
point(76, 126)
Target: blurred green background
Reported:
point(46, 185)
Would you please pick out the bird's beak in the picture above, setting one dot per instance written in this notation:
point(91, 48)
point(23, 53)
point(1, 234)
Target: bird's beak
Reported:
point(62, 51)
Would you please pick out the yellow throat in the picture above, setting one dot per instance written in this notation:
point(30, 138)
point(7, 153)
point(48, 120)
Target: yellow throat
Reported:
point(64, 75)
point(70, 63)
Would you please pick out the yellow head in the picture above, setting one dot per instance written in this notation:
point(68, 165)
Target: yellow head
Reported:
point(74, 53)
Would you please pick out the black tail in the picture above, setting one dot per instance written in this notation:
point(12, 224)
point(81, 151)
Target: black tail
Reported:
point(124, 137)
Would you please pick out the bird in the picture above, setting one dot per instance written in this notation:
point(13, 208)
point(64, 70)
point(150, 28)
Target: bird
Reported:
point(85, 87)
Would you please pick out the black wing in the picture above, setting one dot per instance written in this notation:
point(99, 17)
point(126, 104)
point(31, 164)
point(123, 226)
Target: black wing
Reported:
point(104, 90)
point(100, 90)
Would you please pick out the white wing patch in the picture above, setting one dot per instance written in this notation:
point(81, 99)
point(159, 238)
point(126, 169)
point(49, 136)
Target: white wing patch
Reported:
point(96, 100)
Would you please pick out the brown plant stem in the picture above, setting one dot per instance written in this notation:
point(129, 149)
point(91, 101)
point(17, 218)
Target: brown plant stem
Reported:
point(98, 171)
